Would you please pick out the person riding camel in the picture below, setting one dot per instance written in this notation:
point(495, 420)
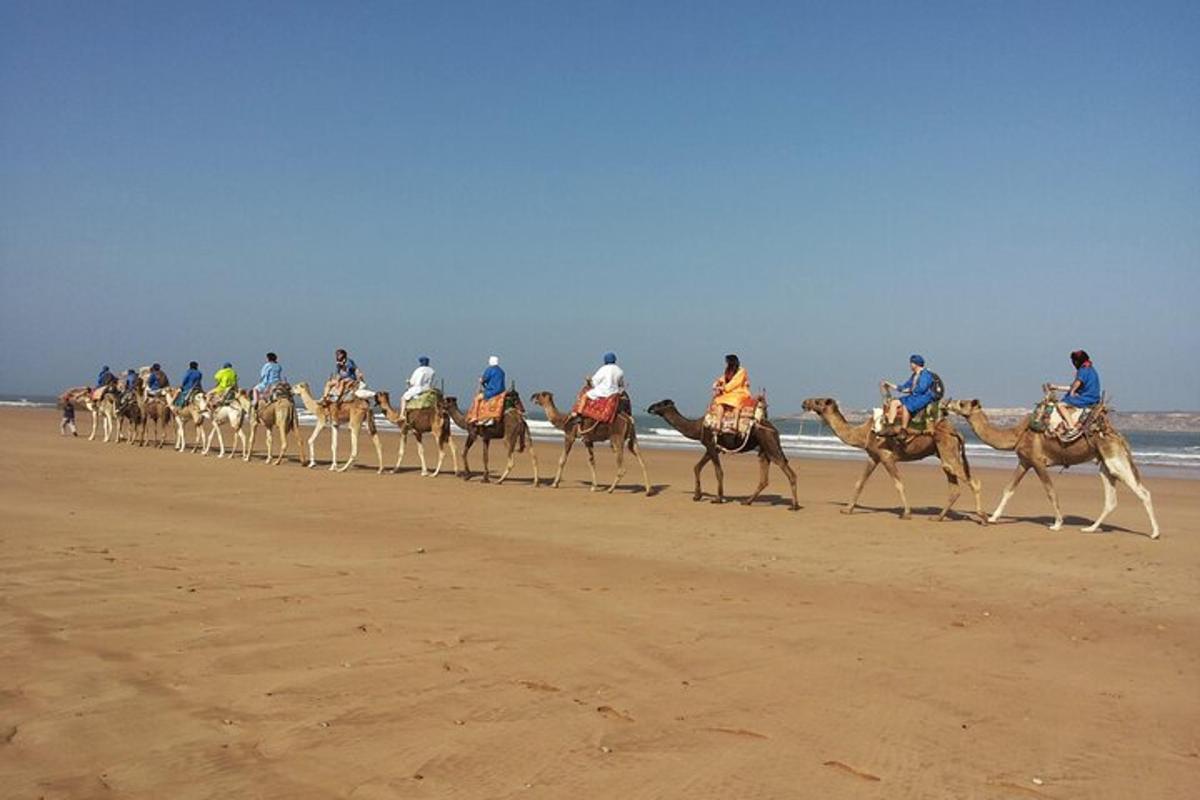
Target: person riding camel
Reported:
point(226, 385)
point(128, 388)
point(1084, 391)
point(105, 382)
point(419, 382)
point(269, 377)
point(491, 385)
point(916, 393)
point(191, 384)
point(347, 378)
point(156, 381)
point(731, 390)
point(607, 381)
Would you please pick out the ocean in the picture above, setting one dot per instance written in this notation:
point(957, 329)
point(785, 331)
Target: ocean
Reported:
point(1167, 452)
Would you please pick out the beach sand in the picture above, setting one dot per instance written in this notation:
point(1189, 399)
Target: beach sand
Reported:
point(181, 627)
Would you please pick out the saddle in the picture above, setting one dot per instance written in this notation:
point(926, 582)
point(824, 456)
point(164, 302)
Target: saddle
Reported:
point(489, 412)
point(278, 392)
point(922, 422)
point(602, 409)
point(1046, 420)
point(739, 421)
point(425, 400)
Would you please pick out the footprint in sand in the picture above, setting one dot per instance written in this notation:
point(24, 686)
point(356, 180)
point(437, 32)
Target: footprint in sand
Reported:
point(539, 686)
point(613, 713)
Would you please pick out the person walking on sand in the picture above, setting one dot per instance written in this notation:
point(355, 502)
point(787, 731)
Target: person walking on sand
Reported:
point(916, 393)
point(269, 376)
point(68, 419)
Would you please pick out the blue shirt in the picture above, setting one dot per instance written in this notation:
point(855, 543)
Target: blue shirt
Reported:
point(924, 384)
point(493, 382)
point(105, 378)
point(130, 380)
point(191, 380)
point(349, 371)
point(270, 375)
point(1088, 393)
point(155, 382)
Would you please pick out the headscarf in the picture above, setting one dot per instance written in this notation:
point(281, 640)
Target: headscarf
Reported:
point(493, 361)
point(732, 365)
point(1081, 359)
point(916, 359)
point(423, 361)
point(610, 358)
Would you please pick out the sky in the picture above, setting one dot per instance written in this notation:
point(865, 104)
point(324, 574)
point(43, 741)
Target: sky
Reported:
point(822, 188)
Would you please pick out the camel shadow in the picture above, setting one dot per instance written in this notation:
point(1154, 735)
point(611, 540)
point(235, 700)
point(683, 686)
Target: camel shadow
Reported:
point(1069, 521)
point(918, 512)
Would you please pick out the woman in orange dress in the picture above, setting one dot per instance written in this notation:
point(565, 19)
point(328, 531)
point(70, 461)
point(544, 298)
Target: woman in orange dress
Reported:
point(732, 389)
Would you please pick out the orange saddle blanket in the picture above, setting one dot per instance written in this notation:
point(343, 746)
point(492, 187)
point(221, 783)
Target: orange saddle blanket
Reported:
point(723, 419)
point(485, 411)
point(601, 409)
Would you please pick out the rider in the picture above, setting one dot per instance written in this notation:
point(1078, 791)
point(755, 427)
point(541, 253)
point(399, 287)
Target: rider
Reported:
point(129, 387)
point(347, 376)
point(191, 383)
point(605, 382)
point(731, 390)
point(493, 379)
point(1083, 392)
point(270, 375)
point(917, 392)
point(226, 384)
point(157, 380)
point(419, 382)
point(105, 378)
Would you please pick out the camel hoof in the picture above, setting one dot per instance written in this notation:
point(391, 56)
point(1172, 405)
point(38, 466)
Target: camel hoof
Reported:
point(697, 498)
point(745, 502)
point(906, 515)
point(1090, 529)
point(719, 501)
point(847, 510)
point(1057, 526)
point(1155, 535)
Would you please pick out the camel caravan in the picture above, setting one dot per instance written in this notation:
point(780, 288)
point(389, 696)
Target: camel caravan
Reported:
point(1069, 426)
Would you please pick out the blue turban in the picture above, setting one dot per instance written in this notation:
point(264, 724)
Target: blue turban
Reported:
point(104, 368)
point(916, 359)
point(610, 358)
point(423, 361)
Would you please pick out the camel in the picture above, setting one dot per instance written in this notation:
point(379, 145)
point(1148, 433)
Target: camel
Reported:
point(278, 416)
point(194, 411)
point(81, 398)
point(1037, 451)
point(355, 411)
point(232, 414)
point(156, 409)
point(764, 438)
point(420, 421)
point(133, 414)
point(511, 427)
point(945, 442)
point(620, 433)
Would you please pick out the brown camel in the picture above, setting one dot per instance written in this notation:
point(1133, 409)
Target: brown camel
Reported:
point(418, 422)
point(278, 416)
point(356, 411)
point(511, 427)
point(1037, 451)
point(945, 442)
point(157, 409)
point(764, 438)
point(620, 433)
point(132, 413)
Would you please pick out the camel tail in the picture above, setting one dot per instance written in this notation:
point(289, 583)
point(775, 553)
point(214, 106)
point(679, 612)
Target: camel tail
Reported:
point(522, 440)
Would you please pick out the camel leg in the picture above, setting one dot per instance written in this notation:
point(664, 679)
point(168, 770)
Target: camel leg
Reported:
point(333, 433)
point(512, 458)
point(1122, 468)
point(720, 470)
point(441, 446)
point(270, 438)
point(453, 453)
point(591, 451)
point(1048, 485)
point(764, 477)
point(1109, 482)
point(378, 452)
point(899, 484)
point(421, 453)
point(633, 448)
point(312, 443)
point(1008, 492)
point(858, 487)
point(466, 474)
point(791, 476)
point(353, 448)
point(955, 490)
point(533, 461)
point(487, 446)
point(241, 435)
point(696, 493)
point(619, 452)
point(568, 442)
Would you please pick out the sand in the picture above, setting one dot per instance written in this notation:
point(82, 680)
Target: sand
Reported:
point(177, 626)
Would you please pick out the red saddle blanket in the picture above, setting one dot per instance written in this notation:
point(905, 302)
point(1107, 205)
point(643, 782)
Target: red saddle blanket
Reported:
point(486, 410)
point(602, 409)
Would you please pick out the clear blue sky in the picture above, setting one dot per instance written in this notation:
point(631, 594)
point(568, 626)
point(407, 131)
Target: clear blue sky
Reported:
point(820, 187)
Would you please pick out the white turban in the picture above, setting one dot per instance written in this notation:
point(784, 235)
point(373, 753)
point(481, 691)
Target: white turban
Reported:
point(493, 361)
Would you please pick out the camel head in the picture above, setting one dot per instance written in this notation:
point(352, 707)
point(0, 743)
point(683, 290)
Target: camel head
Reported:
point(661, 407)
point(449, 401)
point(820, 405)
point(302, 386)
point(542, 398)
point(383, 399)
point(963, 408)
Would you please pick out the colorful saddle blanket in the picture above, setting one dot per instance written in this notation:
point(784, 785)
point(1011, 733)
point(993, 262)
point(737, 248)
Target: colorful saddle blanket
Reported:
point(601, 409)
point(722, 419)
point(423, 401)
point(1046, 419)
point(923, 422)
point(488, 412)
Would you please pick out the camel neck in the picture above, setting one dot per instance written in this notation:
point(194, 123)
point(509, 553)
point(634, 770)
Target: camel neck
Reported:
point(691, 428)
point(855, 436)
point(989, 434)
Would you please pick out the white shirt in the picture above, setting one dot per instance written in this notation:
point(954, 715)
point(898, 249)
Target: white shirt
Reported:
point(608, 380)
point(421, 380)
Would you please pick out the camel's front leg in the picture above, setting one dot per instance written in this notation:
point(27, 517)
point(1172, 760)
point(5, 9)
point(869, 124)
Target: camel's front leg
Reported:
point(441, 448)
point(312, 443)
point(697, 494)
point(1009, 490)
point(487, 470)
point(421, 454)
point(764, 477)
point(591, 451)
point(512, 458)
point(1048, 485)
point(637, 453)
point(954, 491)
point(568, 441)
point(270, 436)
point(466, 475)
point(858, 487)
point(92, 435)
point(333, 447)
point(720, 471)
point(453, 453)
point(403, 442)
point(791, 476)
point(533, 461)
point(894, 471)
point(353, 448)
point(619, 453)
point(378, 452)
